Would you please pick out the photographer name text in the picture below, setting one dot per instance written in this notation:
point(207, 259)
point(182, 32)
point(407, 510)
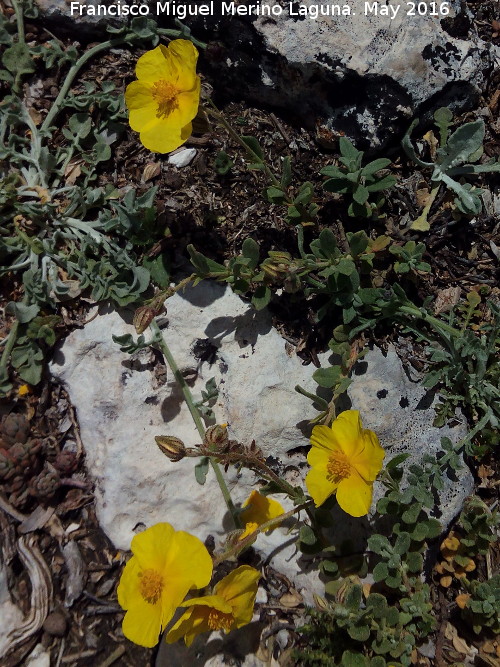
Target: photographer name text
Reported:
point(294, 9)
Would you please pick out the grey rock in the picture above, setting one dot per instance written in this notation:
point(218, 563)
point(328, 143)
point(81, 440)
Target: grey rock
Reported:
point(401, 412)
point(363, 75)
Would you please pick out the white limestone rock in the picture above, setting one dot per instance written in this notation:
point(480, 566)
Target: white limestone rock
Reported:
point(122, 405)
point(123, 402)
point(182, 157)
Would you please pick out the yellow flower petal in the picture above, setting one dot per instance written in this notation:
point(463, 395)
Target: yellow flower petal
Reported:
point(166, 564)
point(318, 457)
point(142, 623)
point(239, 588)
point(344, 458)
point(193, 622)
point(354, 495)
point(166, 97)
point(346, 432)
point(318, 486)
point(184, 55)
point(161, 138)
point(154, 65)
point(368, 461)
point(322, 438)
point(150, 546)
point(259, 509)
point(230, 606)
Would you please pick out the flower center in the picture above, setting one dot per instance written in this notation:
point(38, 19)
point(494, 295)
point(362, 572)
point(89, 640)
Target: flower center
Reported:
point(165, 95)
point(151, 585)
point(217, 620)
point(338, 467)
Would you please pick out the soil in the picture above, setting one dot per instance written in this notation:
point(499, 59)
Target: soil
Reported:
point(216, 213)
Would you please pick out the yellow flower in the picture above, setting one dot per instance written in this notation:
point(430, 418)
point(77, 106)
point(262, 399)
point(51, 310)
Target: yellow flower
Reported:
point(230, 607)
point(345, 459)
point(260, 509)
point(165, 99)
point(23, 390)
point(166, 564)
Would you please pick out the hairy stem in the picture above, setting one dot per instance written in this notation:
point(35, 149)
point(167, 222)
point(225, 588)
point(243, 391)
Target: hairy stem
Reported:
point(195, 415)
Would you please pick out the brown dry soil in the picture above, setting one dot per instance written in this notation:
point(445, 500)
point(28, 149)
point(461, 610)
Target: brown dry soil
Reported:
point(216, 213)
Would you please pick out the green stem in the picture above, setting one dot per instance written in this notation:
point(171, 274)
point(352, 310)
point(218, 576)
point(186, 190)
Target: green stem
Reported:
point(20, 22)
point(433, 321)
point(70, 77)
point(222, 120)
point(195, 415)
point(16, 87)
point(11, 339)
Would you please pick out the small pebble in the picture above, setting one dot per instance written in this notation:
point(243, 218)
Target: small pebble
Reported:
point(182, 158)
point(55, 624)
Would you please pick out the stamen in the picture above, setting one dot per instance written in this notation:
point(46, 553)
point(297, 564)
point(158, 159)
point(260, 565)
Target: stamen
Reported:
point(338, 467)
point(217, 620)
point(151, 585)
point(165, 94)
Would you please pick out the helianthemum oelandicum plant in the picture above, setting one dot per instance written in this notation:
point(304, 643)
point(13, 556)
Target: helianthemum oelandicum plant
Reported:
point(165, 565)
point(229, 607)
point(258, 509)
point(165, 98)
point(345, 459)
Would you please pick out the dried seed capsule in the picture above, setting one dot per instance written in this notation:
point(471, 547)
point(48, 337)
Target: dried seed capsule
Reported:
point(171, 446)
point(216, 439)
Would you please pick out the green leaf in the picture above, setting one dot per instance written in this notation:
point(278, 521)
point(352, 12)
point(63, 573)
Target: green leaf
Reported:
point(470, 202)
point(358, 242)
point(379, 544)
point(382, 184)
point(159, 269)
point(307, 536)
point(275, 195)
point(328, 243)
point(372, 167)
point(402, 544)
point(254, 145)
point(462, 143)
point(353, 598)
point(22, 312)
point(80, 125)
point(380, 572)
point(328, 377)
point(414, 561)
point(359, 633)
point(443, 117)
point(201, 470)
point(17, 59)
point(250, 250)
point(396, 461)
point(351, 659)
point(408, 147)
point(333, 172)
point(348, 150)
point(286, 175)
point(411, 515)
point(261, 297)
point(223, 163)
point(360, 194)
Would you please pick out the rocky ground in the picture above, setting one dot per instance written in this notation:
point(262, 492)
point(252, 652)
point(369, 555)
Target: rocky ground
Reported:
point(214, 212)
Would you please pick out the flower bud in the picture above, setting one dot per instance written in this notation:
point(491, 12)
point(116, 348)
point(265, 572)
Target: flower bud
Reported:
point(171, 446)
point(216, 439)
